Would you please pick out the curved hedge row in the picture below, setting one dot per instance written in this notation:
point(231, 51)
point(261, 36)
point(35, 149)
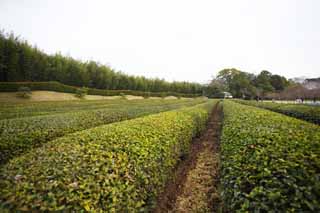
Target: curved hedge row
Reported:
point(9, 111)
point(270, 162)
point(20, 134)
point(19, 110)
point(119, 167)
point(59, 87)
point(304, 112)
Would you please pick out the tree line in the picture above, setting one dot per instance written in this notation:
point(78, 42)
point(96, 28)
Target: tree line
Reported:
point(246, 85)
point(20, 61)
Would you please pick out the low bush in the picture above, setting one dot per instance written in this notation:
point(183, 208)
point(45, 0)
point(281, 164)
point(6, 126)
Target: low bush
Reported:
point(123, 96)
point(147, 95)
point(304, 112)
point(48, 108)
point(58, 87)
point(21, 134)
point(119, 167)
point(81, 92)
point(269, 162)
point(24, 92)
point(51, 86)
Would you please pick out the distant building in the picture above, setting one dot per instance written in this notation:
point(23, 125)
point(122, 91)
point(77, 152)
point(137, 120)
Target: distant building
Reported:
point(227, 95)
point(299, 80)
point(311, 83)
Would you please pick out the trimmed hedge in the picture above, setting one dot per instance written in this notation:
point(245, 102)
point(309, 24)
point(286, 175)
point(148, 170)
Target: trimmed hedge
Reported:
point(51, 86)
point(119, 167)
point(19, 110)
point(24, 92)
point(21, 134)
point(58, 87)
point(304, 112)
point(269, 162)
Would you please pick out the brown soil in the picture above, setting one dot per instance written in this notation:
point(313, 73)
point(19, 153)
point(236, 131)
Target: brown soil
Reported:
point(193, 187)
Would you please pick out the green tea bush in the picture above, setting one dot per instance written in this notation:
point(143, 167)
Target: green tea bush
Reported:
point(304, 112)
point(119, 167)
point(19, 110)
point(269, 162)
point(21, 134)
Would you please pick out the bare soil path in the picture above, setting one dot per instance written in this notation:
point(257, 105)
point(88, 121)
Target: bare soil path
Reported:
point(193, 187)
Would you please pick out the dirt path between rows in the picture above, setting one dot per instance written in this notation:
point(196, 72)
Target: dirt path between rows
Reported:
point(195, 182)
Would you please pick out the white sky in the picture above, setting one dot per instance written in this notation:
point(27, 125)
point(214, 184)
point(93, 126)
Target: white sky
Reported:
point(173, 39)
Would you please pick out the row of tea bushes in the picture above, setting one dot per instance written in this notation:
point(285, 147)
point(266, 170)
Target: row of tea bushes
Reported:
point(19, 110)
point(21, 134)
point(119, 167)
point(270, 162)
point(301, 111)
point(8, 111)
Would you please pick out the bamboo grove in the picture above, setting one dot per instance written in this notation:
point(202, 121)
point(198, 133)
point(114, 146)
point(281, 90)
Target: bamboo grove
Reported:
point(20, 61)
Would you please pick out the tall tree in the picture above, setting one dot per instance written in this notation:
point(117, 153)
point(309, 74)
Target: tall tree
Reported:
point(263, 82)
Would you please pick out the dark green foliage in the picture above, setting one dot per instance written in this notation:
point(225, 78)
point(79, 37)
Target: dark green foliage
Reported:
point(245, 85)
point(119, 167)
point(304, 112)
point(51, 86)
point(24, 92)
point(269, 162)
point(21, 62)
point(278, 82)
point(263, 81)
point(21, 134)
point(147, 95)
point(58, 87)
point(163, 94)
point(81, 92)
point(20, 110)
point(238, 83)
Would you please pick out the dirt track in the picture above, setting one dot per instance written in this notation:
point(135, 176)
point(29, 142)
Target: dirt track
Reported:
point(194, 184)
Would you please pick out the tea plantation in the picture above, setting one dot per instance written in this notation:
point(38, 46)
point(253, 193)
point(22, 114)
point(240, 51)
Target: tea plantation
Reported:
point(119, 155)
point(304, 112)
point(115, 167)
point(20, 134)
point(270, 162)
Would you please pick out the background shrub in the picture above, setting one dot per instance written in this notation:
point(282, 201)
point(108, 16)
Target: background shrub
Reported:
point(24, 92)
point(81, 92)
point(58, 87)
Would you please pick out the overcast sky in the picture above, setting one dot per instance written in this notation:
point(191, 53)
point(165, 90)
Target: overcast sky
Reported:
point(173, 39)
